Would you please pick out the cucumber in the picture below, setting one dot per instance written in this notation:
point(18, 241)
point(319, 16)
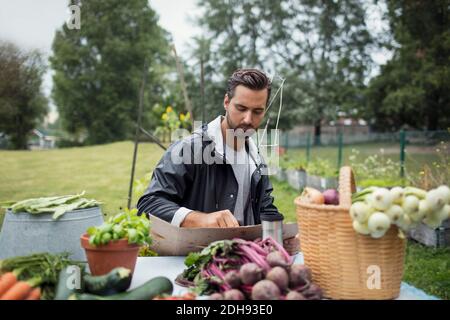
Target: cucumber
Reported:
point(149, 290)
point(65, 282)
point(116, 281)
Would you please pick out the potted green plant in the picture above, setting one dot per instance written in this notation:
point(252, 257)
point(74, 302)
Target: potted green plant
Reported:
point(116, 242)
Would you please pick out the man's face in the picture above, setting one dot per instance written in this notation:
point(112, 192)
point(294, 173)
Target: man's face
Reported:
point(246, 109)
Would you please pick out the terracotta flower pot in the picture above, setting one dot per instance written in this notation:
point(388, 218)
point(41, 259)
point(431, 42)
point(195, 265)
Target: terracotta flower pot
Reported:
point(102, 259)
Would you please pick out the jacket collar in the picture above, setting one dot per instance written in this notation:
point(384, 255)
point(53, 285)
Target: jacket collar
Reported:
point(214, 133)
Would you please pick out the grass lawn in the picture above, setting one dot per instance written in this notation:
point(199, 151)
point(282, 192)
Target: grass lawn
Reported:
point(103, 172)
point(415, 157)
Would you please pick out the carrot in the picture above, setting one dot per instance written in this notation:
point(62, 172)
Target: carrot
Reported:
point(35, 294)
point(6, 282)
point(18, 291)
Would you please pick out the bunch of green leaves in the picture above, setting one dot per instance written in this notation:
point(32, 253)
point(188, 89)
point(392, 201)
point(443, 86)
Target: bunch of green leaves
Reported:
point(145, 251)
point(376, 166)
point(297, 163)
point(57, 205)
point(140, 185)
point(125, 225)
point(43, 267)
point(196, 261)
point(321, 167)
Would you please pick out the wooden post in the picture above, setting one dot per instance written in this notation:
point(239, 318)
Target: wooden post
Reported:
point(136, 137)
point(402, 153)
point(187, 102)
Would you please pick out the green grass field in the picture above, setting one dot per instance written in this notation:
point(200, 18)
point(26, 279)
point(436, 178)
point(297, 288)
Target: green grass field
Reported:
point(104, 171)
point(415, 156)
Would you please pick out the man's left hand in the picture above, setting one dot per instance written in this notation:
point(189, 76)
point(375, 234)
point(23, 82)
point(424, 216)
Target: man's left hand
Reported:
point(292, 245)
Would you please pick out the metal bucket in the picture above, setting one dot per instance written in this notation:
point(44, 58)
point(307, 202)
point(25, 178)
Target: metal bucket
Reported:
point(24, 233)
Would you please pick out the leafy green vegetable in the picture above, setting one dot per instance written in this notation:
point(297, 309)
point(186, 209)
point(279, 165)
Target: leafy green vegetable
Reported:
point(42, 267)
point(124, 225)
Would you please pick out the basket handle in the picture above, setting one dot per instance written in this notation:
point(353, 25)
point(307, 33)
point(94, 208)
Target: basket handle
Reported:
point(346, 186)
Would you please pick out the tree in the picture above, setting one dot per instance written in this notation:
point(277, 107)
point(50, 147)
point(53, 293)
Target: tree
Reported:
point(22, 103)
point(414, 87)
point(99, 68)
point(322, 48)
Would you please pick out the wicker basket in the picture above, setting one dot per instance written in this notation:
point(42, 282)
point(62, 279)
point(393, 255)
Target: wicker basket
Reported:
point(343, 262)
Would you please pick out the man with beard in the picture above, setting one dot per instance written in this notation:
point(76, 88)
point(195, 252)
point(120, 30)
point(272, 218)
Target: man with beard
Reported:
point(216, 176)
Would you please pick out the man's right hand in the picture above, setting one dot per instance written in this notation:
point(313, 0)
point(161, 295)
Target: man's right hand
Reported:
point(218, 219)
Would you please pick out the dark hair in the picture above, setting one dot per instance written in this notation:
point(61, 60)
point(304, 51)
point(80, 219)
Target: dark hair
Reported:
point(249, 78)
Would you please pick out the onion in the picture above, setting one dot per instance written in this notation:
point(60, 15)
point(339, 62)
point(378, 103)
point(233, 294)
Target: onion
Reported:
point(378, 234)
point(445, 193)
point(394, 213)
point(378, 222)
point(405, 222)
point(360, 211)
point(435, 199)
point(312, 196)
point(432, 221)
point(331, 196)
point(397, 195)
point(361, 228)
point(381, 199)
point(424, 210)
point(410, 204)
point(444, 213)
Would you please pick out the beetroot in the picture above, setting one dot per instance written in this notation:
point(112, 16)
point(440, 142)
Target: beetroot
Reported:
point(265, 290)
point(299, 275)
point(233, 279)
point(294, 295)
point(216, 296)
point(313, 292)
point(233, 294)
point(279, 276)
point(331, 196)
point(276, 259)
point(250, 273)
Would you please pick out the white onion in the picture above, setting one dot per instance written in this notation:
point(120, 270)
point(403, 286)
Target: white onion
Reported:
point(361, 228)
point(397, 195)
point(378, 222)
point(394, 213)
point(445, 193)
point(360, 211)
point(378, 234)
point(381, 199)
point(405, 222)
point(435, 199)
point(410, 204)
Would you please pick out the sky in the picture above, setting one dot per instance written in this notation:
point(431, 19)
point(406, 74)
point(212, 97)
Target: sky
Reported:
point(31, 24)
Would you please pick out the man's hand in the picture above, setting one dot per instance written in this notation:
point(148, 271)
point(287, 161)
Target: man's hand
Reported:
point(292, 245)
point(218, 219)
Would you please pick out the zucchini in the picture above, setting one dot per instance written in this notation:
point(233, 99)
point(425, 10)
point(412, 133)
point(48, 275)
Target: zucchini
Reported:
point(116, 281)
point(64, 279)
point(149, 290)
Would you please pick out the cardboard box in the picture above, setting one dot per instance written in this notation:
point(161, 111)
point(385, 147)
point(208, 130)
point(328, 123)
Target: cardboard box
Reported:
point(169, 240)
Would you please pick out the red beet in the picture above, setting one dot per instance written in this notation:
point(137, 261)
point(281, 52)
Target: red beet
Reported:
point(299, 275)
point(265, 290)
point(216, 296)
point(233, 294)
point(276, 259)
point(250, 273)
point(233, 279)
point(313, 292)
point(294, 295)
point(279, 276)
